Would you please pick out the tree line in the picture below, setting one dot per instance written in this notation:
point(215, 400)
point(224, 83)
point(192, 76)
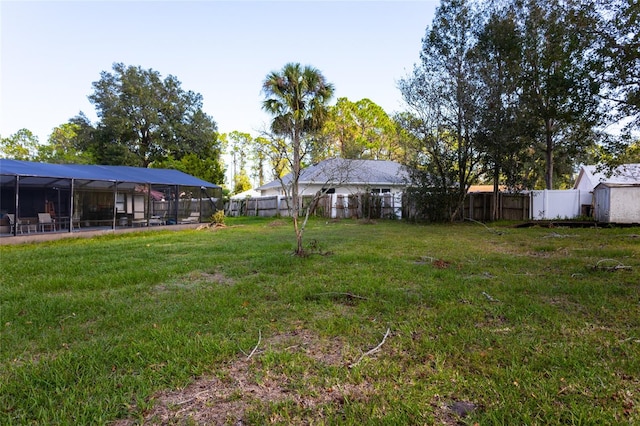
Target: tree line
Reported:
point(516, 93)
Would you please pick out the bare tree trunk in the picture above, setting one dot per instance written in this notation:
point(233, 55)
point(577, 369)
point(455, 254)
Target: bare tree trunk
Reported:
point(548, 175)
point(496, 193)
point(299, 232)
point(295, 210)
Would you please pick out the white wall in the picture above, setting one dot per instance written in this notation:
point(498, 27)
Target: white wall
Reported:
point(558, 204)
point(617, 204)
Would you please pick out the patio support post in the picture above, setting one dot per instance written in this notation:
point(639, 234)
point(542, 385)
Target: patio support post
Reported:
point(17, 206)
point(71, 195)
point(148, 214)
point(176, 198)
point(115, 200)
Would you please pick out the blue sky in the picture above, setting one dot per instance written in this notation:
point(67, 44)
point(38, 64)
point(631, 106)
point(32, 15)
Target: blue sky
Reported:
point(51, 52)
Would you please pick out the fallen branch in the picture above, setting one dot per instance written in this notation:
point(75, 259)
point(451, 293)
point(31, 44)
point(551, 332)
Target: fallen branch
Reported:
point(374, 350)
point(556, 235)
point(256, 347)
point(349, 295)
point(489, 298)
point(613, 268)
point(488, 229)
point(196, 396)
point(73, 315)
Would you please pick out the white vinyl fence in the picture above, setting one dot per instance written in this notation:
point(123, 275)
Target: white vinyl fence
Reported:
point(560, 204)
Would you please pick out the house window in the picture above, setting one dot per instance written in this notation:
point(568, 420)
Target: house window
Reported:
point(380, 190)
point(120, 199)
point(328, 191)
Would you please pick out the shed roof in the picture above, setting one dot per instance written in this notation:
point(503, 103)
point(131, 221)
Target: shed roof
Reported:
point(617, 185)
point(590, 176)
point(340, 171)
point(9, 169)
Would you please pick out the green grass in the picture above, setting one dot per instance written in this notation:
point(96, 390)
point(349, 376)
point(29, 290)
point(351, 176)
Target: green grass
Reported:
point(523, 324)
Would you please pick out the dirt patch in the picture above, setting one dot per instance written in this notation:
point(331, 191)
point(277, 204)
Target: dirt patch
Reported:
point(441, 264)
point(275, 223)
point(211, 226)
point(452, 412)
point(325, 351)
point(243, 385)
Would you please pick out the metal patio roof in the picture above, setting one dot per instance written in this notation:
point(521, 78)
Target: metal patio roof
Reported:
point(9, 169)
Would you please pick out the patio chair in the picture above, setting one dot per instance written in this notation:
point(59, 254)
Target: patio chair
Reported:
point(46, 221)
point(138, 219)
point(18, 225)
point(75, 220)
point(12, 223)
point(194, 217)
point(158, 219)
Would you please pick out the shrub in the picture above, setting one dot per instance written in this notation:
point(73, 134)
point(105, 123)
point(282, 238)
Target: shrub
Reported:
point(218, 217)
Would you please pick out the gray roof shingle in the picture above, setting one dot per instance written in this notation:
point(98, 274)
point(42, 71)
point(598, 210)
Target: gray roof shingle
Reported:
point(340, 171)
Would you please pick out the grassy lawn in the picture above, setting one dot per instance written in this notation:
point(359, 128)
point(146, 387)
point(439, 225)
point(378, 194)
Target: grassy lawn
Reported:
point(384, 323)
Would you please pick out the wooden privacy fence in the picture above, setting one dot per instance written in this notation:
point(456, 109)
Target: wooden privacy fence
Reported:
point(334, 206)
point(478, 206)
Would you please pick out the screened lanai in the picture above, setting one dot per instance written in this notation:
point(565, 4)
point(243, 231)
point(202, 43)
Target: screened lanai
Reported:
point(41, 197)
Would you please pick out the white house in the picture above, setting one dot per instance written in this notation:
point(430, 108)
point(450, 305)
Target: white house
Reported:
point(342, 182)
point(616, 193)
point(249, 193)
point(343, 176)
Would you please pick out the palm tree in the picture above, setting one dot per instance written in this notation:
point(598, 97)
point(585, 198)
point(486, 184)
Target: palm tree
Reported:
point(297, 98)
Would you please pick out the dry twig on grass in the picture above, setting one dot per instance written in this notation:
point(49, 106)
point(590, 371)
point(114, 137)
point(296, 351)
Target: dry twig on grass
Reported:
point(556, 235)
point(196, 396)
point(489, 297)
point(374, 350)
point(348, 295)
point(488, 229)
point(256, 347)
point(612, 268)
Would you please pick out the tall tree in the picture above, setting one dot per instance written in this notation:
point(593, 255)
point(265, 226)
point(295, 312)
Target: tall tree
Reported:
point(497, 58)
point(620, 49)
point(559, 93)
point(442, 95)
point(150, 117)
point(207, 168)
point(241, 182)
point(360, 130)
point(619, 60)
point(22, 145)
point(297, 98)
point(259, 155)
point(100, 143)
point(239, 145)
point(64, 146)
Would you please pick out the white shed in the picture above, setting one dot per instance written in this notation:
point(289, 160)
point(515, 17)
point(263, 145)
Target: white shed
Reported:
point(617, 203)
